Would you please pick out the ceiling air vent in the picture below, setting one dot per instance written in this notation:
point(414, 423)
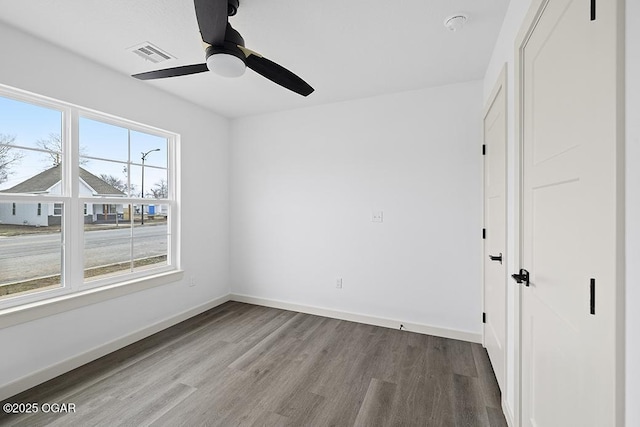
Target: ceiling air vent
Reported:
point(151, 53)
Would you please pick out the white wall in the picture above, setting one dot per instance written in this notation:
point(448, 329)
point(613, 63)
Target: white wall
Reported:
point(26, 214)
point(504, 52)
point(36, 66)
point(633, 212)
point(304, 184)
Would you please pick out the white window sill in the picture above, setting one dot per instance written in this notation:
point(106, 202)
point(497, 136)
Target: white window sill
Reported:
point(37, 310)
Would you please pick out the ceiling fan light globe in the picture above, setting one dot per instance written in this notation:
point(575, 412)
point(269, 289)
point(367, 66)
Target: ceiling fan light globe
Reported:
point(226, 65)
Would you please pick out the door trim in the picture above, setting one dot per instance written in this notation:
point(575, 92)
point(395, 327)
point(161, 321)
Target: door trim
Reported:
point(499, 85)
point(528, 24)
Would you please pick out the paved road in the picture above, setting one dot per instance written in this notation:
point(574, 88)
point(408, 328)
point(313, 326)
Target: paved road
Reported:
point(37, 255)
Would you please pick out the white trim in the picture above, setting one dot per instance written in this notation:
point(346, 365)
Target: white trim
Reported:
point(74, 362)
point(531, 18)
point(508, 413)
point(500, 86)
point(362, 318)
point(50, 306)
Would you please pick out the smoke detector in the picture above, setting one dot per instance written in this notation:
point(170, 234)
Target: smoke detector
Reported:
point(455, 22)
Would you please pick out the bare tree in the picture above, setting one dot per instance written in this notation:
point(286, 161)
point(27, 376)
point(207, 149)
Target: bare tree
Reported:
point(116, 182)
point(53, 146)
point(160, 190)
point(9, 157)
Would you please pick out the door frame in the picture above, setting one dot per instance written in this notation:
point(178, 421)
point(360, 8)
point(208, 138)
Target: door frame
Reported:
point(528, 24)
point(499, 85)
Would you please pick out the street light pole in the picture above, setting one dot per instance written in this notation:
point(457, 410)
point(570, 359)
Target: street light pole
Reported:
point(144, 157)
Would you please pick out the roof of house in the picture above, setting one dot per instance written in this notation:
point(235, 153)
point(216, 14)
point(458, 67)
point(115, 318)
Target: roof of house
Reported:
point(50, 177)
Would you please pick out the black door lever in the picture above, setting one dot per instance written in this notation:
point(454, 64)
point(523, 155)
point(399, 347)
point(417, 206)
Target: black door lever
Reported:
point(522, 277)
point(496, 258)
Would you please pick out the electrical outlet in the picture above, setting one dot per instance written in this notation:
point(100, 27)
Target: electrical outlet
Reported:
point(376, 216)
point(339, 284)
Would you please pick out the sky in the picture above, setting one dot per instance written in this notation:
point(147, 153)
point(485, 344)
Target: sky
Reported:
point(107, 147)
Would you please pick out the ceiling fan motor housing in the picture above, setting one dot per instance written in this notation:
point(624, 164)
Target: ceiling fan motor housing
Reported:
point(232, 39)
point(228, 49)
point(227, 60)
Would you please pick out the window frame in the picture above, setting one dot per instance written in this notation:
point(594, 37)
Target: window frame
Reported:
point(73, 285)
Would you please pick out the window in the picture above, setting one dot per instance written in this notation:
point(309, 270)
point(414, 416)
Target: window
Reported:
point(113, 185)
point(132, 166)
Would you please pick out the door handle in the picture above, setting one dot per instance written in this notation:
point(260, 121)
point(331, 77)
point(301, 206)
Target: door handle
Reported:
point(522, 277)
point(496, 258)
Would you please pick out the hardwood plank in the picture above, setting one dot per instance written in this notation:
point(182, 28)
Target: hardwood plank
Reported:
point(270, 419)
point(496, 417)
point(241, 364)
point(462, 361)
point(375, 407)
point(489, 384)
point(424, 396)
point(469, 406)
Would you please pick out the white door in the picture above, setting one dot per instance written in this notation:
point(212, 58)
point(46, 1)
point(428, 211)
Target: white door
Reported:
point(569, 215)
point(495, 296)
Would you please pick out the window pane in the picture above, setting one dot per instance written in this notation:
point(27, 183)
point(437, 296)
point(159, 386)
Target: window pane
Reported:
point(112, 248)
point(152, 148)
point(151, 239)
point(103, 178)
point(29, 171)
point(103, 140)
point(154, 184)
point(31, 249)
point(107, 246)
point(30, 125)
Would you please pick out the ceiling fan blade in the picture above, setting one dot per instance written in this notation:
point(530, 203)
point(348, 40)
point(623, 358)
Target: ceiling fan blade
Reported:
point(172, 72)
point(276, 73)
point(212, 20)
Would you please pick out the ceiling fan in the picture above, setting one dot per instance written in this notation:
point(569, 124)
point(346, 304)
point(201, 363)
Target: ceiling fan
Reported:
point(225, 51)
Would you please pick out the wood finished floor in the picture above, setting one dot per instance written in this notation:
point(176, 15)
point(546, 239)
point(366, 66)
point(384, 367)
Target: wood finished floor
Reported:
point(240, 364)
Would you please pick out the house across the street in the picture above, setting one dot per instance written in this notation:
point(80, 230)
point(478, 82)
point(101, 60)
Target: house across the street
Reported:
point(46, 214)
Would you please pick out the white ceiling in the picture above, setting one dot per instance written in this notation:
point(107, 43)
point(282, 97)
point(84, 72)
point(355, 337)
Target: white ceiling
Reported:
point(345, 49)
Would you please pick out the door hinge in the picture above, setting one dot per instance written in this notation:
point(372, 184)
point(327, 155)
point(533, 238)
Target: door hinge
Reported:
point(484, 149)
point(592, 291)
point(484, 317)
point(484, 233)
point(593, 10)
